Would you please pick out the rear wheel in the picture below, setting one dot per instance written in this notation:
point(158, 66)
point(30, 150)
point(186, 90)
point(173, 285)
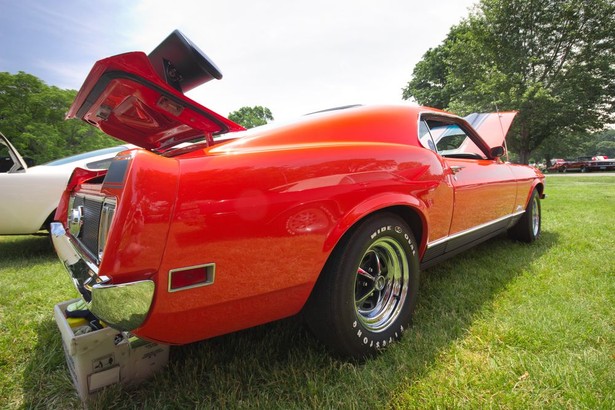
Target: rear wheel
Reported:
point(527, 229)
point(365, 296)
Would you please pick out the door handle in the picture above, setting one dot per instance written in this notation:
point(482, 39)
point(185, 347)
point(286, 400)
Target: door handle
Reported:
point(456, 168)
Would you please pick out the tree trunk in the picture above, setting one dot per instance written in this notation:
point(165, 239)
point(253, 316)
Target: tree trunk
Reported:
point(522, 143)
point(524, 156)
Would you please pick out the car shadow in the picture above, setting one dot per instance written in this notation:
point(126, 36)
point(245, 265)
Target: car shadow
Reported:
point(282, 365)
point(25, 247)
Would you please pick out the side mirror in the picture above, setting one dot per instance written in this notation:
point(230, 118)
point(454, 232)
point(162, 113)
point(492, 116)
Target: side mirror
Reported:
point(496, 152)
point(181, 64)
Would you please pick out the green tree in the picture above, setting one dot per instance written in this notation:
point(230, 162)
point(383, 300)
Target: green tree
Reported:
point(575, 145)
point(251, 117)
point(551, 60)
point(606, 148)
point(32, 118)
point(602, 143)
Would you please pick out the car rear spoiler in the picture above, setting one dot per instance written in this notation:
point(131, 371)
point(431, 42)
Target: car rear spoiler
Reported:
point(139, 98)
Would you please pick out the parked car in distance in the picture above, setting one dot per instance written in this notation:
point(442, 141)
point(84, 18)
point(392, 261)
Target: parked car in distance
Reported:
point(333, 214)
point(583, 164)
point(30, 194)
point(601, 163)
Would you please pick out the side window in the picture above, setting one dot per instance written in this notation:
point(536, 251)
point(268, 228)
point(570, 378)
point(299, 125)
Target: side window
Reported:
point(425, 136)
point(448, 139)
point(8, 161)
point(5, 159)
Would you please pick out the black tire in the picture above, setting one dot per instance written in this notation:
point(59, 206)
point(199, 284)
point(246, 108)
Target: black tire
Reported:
point(527, 229)
point(365, 296)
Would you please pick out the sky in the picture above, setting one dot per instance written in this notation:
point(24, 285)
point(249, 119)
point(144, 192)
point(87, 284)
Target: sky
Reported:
point(293, 57)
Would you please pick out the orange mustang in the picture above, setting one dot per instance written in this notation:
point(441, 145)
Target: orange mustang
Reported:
point(332, 215)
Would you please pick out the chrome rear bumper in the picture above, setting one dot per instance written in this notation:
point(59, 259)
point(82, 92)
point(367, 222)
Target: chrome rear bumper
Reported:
point(124, 306)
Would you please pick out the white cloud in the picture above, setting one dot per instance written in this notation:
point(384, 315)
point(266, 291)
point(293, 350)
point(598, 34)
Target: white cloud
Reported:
point(291, 56)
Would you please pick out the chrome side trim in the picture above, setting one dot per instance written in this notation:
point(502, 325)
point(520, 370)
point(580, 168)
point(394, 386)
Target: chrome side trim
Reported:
point(474, 229)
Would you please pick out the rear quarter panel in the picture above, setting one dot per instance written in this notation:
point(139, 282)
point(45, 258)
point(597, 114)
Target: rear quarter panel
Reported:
point(146, 199)
point(268, 220)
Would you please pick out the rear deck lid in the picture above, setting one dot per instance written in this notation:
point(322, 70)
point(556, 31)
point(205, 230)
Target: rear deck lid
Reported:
point(139, 98)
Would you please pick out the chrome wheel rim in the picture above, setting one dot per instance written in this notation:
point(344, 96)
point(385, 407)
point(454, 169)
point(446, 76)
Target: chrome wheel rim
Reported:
point(381, 284)
point(535, 216)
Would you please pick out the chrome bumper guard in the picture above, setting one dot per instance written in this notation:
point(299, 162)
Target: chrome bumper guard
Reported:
point(123, 307)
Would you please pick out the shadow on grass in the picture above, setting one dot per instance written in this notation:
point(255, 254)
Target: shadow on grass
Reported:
point(46, 380)
point(281, 365)
point(25, 247)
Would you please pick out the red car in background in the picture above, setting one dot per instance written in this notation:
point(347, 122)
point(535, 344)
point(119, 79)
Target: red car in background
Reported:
point(333, 214)
point(583, 164)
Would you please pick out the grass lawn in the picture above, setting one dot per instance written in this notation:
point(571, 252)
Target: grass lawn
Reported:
point(505, 325)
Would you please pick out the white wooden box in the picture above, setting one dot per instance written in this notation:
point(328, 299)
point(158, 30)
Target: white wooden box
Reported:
point(107, 356)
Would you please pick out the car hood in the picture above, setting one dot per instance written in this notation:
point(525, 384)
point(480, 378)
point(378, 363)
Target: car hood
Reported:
point(492, 127)
point(126, 98)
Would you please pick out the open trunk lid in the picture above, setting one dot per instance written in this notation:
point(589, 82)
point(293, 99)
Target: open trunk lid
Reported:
point(139, 98)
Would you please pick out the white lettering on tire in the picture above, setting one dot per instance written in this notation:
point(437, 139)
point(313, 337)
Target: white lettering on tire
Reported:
point(381, 344)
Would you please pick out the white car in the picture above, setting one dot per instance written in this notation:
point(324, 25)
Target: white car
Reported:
point(29, 195)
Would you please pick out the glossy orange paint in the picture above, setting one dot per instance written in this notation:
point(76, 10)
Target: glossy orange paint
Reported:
point(266, 206)
point(145, 202)
point(236, 206)
point(490, 183)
